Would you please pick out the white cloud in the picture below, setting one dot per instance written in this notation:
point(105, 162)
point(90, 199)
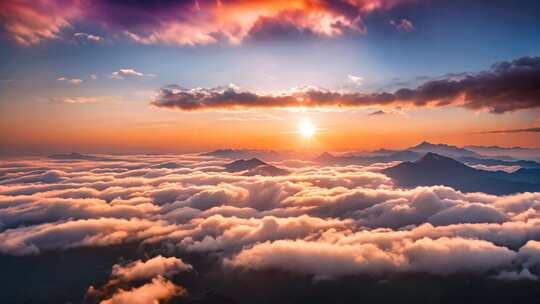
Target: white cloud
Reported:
point(332, 221)
point(74, 81)
point(129, 73)
point(357, 80)
point(88, 37)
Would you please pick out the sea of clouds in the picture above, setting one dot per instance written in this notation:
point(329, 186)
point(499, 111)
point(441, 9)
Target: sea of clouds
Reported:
point(323, 221)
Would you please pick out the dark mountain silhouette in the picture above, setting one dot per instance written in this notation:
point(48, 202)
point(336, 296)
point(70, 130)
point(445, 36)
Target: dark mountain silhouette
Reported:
point(434, 169)
point(266, 155)
point(239, 153)
point(415, 152)
point(254, 166)
point(79, 156)
point(442, 149)
point(329, 159)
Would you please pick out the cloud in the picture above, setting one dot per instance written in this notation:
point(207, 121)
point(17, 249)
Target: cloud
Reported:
point(377, 113)
point(88, 37)
point(509, 131)
point(155, 269)
point(153, 292)
point(525, 274)
point(441, 256)
point(357, 80)
point(74, 81)
point(127, 73)
point(507, 86)
point(83, 99)
point(403, 25)
point(30, 22)
point(188, 22)
point(156, 266)
point(331, 221)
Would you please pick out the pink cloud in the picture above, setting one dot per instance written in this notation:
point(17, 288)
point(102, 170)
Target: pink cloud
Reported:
point(194, 23)
point(153, 292)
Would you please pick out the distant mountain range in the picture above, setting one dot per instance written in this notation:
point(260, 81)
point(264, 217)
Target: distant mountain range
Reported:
point(473, 155)
point(265, 155)
point(442, 149)
point(253, 167)
point(415, 152)
point(434, 169)
point(329, 159)
point(510, 152)
point(79, 156)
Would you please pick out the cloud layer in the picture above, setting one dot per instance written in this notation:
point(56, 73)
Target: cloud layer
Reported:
point(331, 221)
point(507, 86)
point(189, 22)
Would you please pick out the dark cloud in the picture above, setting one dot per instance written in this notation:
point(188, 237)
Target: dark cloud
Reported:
point(507, 86)
point(526, 130)
point(377, 113)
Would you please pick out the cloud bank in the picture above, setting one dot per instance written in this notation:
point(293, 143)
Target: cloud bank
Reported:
point(331, 221)
point(507, 86)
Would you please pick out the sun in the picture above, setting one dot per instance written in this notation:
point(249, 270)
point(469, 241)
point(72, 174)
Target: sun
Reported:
point(306, 128)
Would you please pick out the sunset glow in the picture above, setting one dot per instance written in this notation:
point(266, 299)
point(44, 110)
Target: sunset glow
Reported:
point(272, 151)
point(306, 128)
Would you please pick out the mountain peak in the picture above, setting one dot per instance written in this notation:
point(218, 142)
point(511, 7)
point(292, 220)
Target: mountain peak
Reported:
point(425, 145)
point(434, 158)
point(443, 149)
point(243, 164)
point(430, 156)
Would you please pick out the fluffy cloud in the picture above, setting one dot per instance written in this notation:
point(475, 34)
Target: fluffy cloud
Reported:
point(153, 292)
point(189, 22)
point(127, 73)
point(441, 256)
point(507, 86)
point(331, 221)
point(157, 266)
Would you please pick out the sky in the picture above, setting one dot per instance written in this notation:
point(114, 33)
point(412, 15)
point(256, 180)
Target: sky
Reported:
point(186, 76)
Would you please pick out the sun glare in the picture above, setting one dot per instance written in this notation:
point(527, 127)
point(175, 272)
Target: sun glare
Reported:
point(306, 128)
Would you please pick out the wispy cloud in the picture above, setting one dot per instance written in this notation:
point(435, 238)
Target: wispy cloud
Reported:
point(525, 130)
point(357, 80)
point(74, 81)
point(81, 99)
point(403, 25)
